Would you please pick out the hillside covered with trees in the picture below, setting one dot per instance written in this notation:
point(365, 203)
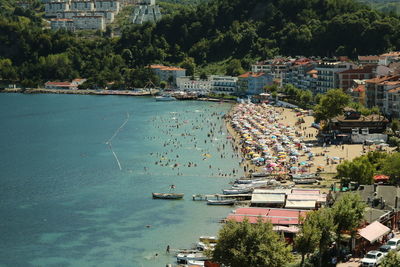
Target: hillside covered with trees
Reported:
point(209, 33)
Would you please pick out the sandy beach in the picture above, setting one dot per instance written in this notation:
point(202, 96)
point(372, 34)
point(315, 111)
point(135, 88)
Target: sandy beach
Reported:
point(326, 157)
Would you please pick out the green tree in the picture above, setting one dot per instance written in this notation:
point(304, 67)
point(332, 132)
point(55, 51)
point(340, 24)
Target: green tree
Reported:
point(331, 105)
point(245, 244)
point(234, 68)
point(395, 125)
point(348, 213)
point(7, 70)
point(188, 64)
point(306, 240)
point(391, 167)
point(359, 170)
point(322, 220)
point(392, 259)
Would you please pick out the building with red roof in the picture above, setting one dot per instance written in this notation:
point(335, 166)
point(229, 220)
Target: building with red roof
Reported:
point(168, 73)
point(60, 85)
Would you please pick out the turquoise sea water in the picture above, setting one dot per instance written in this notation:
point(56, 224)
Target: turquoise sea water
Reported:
point(64, 200)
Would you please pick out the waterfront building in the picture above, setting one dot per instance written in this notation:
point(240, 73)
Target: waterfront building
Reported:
point(60, 85)
point(186, 83)
point(89, 23)
point(347, 77)
point(251, 83)
point(224, 84)
point(275, 67)
point(352, 120)
point(328, 74)
point(297, 74)
point(168, 74)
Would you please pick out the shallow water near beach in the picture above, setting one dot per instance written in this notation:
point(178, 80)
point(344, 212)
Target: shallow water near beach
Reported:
point(67, 200)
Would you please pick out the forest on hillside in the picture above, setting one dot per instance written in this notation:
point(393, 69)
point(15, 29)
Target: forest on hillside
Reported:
point(209, 33)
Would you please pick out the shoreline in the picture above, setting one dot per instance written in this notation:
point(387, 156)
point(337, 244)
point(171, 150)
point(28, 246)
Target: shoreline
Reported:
point(151, 92)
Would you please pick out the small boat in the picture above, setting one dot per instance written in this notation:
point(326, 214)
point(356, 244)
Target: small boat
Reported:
point(168, 195)
point(165, 98)
point(221, 202)
point(196, 263)
point(184, 258)
point(237, 191)
point(260, 174)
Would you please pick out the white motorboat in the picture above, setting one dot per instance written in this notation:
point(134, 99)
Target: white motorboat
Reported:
point(196, 263)
point(237, 191)
point(165, 98)
point(185, 257)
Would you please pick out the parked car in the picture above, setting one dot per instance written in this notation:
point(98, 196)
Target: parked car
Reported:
point(385, 249)
point(372, 259)
point(394, 243)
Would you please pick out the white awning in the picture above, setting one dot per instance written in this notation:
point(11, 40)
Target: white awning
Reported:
point(374, 231)
point(272, 191)
point(300, 204)
point(319, 198)
point(268, 198)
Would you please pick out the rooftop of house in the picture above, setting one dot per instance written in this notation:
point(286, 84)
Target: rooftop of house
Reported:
point(362, 118)
point(60, 84)
point(391, 54)
point(368, 58)
point(162, 67)
point(252, 74)
point(394, 90)
point(366, 69)
point(383, 78)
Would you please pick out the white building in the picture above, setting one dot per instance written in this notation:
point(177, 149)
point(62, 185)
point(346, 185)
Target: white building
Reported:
point(89, 23)
point(82, 6)
point(107, 5)
point(328, 74)
point(108, 16)
point(187, 84)
point(169, 74)
point(251, 83)
point(57, 24)
point(223, 84)
point(146, 13)
point(52, 8)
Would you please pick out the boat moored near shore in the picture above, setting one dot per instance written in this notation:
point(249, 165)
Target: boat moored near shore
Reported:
point(168, 195)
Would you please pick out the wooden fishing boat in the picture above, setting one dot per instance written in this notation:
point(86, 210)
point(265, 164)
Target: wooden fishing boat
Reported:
point(168, 195)
point(221, 202)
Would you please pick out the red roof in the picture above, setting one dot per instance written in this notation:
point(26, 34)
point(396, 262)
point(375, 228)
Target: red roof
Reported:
point(251, 74)
point(59, 83)
point(368, 58)
point(275, 216)
point(381, 177)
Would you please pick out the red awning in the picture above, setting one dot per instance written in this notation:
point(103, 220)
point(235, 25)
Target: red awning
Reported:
point(381, 177)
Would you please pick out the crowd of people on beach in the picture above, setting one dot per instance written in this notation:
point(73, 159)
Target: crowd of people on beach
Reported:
point(268, 142)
